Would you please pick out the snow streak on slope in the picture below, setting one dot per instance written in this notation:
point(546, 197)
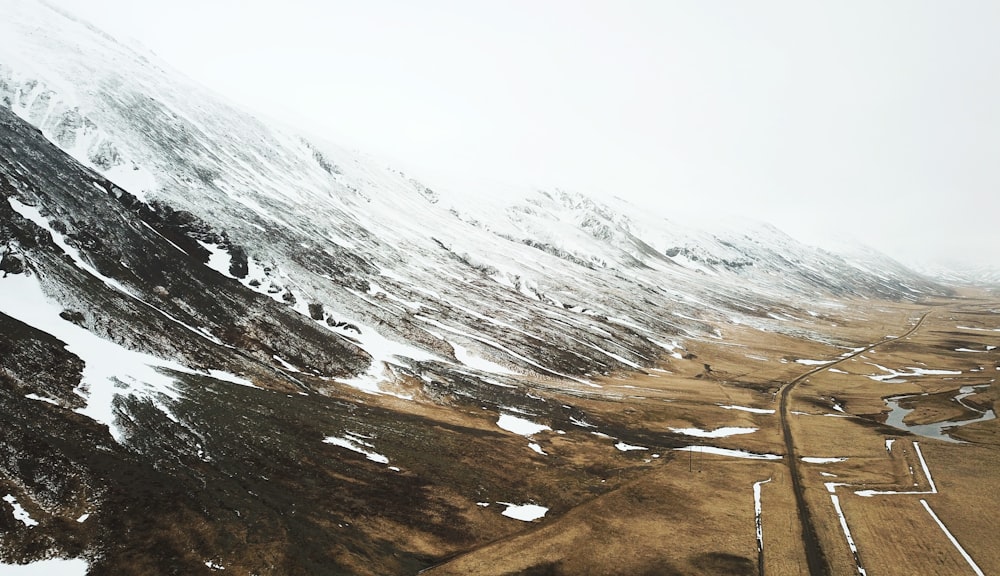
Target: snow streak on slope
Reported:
point(109, 370)
point(550, 282)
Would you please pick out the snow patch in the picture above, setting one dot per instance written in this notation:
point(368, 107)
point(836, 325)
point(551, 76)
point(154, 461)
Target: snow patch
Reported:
point(717, 433)
point(19, 512)
point(110, 371)
point(74, 567)
point(355, 443)
point(627, 447)
point(476, 362)
point(747, 409)
point(728, 452)
point(812, 362)
point(537, 448)
point(521, 426)
point(524, 512)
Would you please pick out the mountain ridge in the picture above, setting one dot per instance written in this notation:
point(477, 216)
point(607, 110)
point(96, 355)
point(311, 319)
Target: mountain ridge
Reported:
point(289, 321)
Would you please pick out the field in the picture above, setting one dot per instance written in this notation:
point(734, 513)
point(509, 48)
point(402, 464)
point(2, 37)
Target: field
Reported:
point(786, 447)
point(682, 507)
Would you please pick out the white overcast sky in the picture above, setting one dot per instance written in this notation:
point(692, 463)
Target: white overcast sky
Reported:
point(873, 120)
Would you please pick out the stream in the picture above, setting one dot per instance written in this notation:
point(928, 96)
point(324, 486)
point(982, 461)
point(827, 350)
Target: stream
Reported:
point(935, 430)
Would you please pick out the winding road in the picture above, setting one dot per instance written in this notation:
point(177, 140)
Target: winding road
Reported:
point(815, 558)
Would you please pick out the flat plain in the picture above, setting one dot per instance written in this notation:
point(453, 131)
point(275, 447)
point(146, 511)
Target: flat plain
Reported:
point(705, 426)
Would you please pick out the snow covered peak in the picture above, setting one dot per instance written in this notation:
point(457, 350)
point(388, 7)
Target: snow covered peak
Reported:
point(417, 272)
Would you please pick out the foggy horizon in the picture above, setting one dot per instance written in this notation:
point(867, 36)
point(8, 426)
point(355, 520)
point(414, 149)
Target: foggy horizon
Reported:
point(851, 122)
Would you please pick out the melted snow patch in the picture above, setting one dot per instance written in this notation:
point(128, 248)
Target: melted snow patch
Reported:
point(521, 426)
point(524, 512)
point(19, 512)
point(717, 433)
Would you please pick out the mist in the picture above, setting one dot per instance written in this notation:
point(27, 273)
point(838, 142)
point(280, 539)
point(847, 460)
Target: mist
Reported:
point(837, 122)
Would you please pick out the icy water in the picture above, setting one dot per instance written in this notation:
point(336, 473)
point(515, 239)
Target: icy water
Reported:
point(936, 430)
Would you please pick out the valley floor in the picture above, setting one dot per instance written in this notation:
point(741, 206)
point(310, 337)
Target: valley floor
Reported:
point(753, 452)
point(880, 500)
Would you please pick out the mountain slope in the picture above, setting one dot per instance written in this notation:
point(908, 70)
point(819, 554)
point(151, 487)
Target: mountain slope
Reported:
point(376, 249)
point(231, 341)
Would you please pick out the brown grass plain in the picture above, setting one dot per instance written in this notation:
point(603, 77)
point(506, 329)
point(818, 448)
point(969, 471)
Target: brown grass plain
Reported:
point(693, 512)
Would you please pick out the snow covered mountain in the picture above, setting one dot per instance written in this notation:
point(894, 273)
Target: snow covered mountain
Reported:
point(223, 285)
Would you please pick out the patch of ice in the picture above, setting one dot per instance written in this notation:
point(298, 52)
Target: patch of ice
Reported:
point(19, 512)
point(524, 512)
point(521, 426)
point(717, 433)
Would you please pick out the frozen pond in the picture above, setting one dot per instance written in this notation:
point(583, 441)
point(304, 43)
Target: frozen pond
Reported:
point(936, 430)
